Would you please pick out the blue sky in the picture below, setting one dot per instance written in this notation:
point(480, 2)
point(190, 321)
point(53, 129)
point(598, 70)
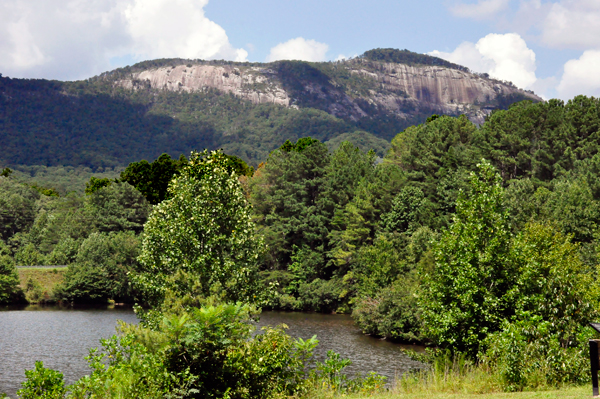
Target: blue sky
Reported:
point(549, 46)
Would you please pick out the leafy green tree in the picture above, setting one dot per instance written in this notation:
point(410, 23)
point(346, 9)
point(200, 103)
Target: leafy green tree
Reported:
point(117, 207)
point(201, 241)
point(152, 179)
point(17, 207)
point(101, 269)
point(96, 184)
point(10, 291)
point(465, 295)
point(407, 211)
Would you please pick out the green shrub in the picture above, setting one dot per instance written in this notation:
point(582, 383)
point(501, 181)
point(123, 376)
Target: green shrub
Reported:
point(321, 295)
point(201, 353)
point(42, 383)
point(393, 314)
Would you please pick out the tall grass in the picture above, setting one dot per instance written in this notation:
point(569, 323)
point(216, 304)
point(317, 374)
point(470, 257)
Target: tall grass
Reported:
point(454, 376)
point(450, 374)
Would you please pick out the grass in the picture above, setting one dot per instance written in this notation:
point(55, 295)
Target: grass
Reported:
point(454, 377)
point(572, 392)
point(39, 282)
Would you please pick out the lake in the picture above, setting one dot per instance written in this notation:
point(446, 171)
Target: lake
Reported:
point(61, 338)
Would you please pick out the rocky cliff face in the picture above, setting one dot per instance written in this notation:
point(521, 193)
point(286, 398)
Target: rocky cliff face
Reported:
point(353, 89)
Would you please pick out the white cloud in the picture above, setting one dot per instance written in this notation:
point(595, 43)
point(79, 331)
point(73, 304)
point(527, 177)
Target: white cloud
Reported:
point(177, 28)
point(503, 56)
point(299, 49)
point(483, 9)
point(75, 39)
point(581, 76)
point(572, 24)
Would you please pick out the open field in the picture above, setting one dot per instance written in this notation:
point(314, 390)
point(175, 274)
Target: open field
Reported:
point(43, 282)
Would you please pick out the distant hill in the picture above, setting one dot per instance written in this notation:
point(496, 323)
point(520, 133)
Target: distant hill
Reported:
point(248, 109)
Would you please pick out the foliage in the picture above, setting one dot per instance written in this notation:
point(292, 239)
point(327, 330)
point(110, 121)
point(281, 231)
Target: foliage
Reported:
point(17, 207)
point(408, 58)
point(152, 179)
point(285, 192)
point(361, 139)
point(96, 184)
point(407, 211)
point(117, 207)
point(394, 313)
point(101, 269)
point(202, 240)
point(10, 292)
point(465, 298)
point(42, 383)
point(204, 352)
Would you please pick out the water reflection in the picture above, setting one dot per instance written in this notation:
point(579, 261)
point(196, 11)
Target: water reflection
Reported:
point(340, 334)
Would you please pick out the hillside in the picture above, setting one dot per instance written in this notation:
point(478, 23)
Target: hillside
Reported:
point(248, 109)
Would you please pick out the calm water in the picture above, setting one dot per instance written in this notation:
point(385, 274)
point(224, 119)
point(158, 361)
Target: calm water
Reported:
point(340, 334)
point(59, 337)
point(62, 337)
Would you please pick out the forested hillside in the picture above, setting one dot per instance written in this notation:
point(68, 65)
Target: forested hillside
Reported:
point(174, 106)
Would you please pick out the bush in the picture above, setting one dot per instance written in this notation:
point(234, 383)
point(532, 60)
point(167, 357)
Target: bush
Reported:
point(532, 354)
point(321, 295)
point(393, 314)
point(201, 353)
point(42, 383)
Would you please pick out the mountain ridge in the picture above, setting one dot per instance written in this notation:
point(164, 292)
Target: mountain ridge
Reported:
point(248, 109)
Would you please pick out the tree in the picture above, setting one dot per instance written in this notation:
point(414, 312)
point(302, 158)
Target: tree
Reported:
point(96, 184)
point(117, 207)
point(17, 207)
point(152, 179)
point(101, 269)
point(10, 291)
point(465, 296)
point(285, 194)
point(200, 241)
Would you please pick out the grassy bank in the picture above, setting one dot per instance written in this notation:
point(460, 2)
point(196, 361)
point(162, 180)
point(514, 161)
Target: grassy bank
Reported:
point(38, 282)
point(577, 392)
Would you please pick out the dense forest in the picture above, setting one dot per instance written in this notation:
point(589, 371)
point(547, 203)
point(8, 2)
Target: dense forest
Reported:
point(482, 240)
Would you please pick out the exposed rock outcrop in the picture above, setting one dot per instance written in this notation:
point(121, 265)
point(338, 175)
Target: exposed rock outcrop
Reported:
point(397, 89)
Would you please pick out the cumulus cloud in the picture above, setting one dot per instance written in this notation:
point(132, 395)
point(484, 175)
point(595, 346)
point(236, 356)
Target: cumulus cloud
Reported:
point(581, 76)
point(572, 24)
point(77, 39)
point(503, 56)
point(177, 28)
point(483, 9)
point(299, 49)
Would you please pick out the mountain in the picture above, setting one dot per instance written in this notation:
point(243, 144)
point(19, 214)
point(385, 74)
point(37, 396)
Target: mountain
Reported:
point(248, 109)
